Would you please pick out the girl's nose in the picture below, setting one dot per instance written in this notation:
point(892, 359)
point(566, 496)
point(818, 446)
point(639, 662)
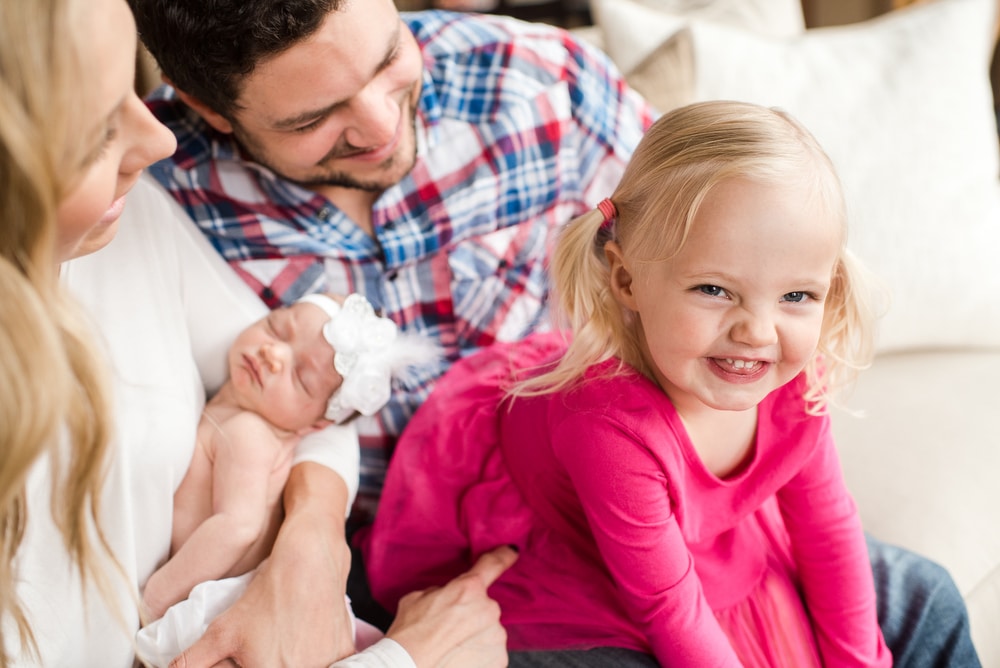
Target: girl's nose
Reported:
point(755, 329)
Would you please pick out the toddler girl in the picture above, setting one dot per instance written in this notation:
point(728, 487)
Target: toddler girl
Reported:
point(666, 467)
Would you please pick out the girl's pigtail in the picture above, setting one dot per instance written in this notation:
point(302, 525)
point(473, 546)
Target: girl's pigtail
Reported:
point(582, 303)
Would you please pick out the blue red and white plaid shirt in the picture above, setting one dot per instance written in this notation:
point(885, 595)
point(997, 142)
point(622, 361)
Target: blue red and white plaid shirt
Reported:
point(519, 129)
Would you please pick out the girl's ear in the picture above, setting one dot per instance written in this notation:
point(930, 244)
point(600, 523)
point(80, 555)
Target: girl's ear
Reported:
point(621, 277)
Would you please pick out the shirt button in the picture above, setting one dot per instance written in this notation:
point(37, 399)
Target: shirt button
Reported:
point(267, 294)
point(325, 213)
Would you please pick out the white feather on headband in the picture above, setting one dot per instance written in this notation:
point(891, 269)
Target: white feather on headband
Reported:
point(369, 351)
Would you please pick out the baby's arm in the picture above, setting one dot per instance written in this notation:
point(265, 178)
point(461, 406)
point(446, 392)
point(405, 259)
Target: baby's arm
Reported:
point(244, 456)
point(626, 499)
point(829, 548)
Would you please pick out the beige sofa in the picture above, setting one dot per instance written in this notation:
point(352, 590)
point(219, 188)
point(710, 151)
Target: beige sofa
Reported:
point(903, 105)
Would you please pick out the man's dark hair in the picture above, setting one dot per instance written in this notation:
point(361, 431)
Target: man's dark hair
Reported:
point(207, 47)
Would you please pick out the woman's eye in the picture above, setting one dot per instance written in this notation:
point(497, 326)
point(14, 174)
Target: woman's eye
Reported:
point(712, 290)
point(109, 136)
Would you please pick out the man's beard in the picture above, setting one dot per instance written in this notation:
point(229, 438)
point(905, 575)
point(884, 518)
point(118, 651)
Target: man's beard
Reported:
point(338, 179)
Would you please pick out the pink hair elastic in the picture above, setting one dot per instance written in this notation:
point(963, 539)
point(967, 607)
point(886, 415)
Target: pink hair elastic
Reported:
point(609, 211)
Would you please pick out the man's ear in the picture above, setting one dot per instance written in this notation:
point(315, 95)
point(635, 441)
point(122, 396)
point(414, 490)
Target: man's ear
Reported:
point(213, 118)
point(621, 277)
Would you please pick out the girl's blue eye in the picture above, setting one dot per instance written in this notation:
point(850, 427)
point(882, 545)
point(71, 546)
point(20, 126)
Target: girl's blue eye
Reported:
point(712, 290)
point(795, 297)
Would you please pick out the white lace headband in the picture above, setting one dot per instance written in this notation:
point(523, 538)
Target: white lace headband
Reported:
point(368, 351)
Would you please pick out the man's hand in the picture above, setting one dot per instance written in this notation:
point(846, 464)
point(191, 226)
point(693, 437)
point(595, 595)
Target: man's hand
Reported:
point(294, 611)
point(458, 625)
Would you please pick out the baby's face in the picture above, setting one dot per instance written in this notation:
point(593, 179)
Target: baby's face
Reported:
point(281, 367)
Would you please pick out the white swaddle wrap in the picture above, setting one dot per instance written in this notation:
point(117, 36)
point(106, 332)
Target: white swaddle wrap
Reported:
point(160, 641)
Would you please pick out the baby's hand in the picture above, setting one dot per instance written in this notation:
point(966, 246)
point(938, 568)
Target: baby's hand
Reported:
point(152, 606)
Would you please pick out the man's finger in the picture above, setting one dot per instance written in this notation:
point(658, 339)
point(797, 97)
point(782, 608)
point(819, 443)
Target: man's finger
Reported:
point(492, 564)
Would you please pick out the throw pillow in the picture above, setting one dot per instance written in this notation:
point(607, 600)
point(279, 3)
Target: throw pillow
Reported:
point(903, 105)
point(666, 76)
point(633, 30)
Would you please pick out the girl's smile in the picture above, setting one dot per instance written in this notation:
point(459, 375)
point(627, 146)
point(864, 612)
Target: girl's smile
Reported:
point(738, 370)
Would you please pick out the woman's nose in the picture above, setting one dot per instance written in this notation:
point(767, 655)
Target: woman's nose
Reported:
point(151, 140)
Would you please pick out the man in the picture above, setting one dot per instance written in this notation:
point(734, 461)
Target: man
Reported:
point(428, 176)
point(426, 165)
point(423, 162)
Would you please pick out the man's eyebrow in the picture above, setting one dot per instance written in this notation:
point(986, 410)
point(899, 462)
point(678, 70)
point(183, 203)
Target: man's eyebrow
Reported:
point(307, 117)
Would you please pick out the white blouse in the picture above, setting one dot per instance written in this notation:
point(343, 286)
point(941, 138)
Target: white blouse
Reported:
point(166, 307)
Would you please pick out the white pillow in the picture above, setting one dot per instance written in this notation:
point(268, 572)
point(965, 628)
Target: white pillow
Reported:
point(633, 29)
point(903, 105)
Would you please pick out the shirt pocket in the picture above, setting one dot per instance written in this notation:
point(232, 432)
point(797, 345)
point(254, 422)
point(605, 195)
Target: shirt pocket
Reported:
point(499, 284)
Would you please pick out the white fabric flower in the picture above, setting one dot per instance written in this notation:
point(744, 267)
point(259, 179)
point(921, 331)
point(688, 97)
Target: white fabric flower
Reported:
point(362, 342)
point(368, 352)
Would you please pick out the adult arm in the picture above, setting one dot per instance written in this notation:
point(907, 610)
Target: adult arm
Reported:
point(829, 548)
point(457, 625)
point(294, 607)
point(293, 612)
point(454, 626)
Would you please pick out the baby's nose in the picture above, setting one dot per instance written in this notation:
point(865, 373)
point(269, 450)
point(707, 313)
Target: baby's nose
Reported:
point(271, 357)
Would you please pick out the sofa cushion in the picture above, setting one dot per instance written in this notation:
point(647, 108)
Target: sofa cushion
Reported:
point(903, 105)
point(632, 31)
point(666, 76)
point(921, 451)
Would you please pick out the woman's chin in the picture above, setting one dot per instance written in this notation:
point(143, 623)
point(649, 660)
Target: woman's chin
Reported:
point(98, 237)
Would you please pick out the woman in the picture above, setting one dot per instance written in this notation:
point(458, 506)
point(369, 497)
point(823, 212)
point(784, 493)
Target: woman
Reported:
point(74, 139)
point(59, 147)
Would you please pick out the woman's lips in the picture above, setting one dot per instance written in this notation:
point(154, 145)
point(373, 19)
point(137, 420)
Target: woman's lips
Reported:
point(114, 211)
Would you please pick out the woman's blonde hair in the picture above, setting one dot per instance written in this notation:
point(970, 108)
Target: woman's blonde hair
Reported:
point(682, 157)
point(44, 147)
point(35, 390)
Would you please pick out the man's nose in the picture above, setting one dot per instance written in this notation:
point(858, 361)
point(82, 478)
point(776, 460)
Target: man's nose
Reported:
point(376, 118)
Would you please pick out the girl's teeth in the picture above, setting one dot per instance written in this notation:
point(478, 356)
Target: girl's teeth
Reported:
point(741, 364)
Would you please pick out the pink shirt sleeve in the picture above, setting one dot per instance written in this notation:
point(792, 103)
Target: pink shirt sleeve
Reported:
point(624, 493)
point(829, 548)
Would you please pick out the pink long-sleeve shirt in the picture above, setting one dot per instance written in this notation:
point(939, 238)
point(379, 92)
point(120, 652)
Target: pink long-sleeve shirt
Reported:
point(626, 538)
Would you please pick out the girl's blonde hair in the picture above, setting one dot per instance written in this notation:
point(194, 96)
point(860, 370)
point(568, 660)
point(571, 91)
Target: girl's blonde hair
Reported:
point(685, 154)
point(44, 149)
